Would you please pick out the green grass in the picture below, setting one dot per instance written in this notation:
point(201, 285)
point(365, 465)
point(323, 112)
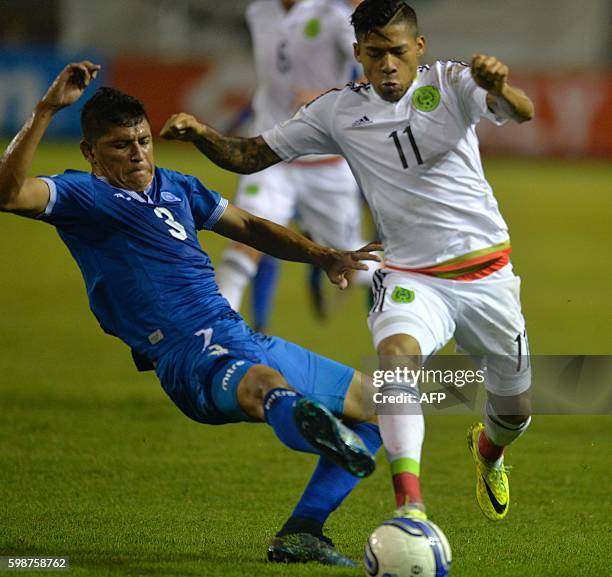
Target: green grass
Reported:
point(96, 463)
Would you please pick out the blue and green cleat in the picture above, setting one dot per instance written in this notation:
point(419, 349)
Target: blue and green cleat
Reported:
point(331, 438)
point(306, 548)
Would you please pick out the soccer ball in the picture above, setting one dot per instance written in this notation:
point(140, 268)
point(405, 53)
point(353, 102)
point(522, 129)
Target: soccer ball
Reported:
point(407, 547)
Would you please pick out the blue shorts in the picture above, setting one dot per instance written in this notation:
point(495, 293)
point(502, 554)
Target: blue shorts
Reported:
point(203, 382)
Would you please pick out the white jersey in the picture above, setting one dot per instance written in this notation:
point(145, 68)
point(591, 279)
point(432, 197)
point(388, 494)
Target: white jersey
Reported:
point(416, 161)
point(308, 48)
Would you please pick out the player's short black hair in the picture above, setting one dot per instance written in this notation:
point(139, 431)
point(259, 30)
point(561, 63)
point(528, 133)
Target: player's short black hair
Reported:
point(110, 107)
point(372, 14)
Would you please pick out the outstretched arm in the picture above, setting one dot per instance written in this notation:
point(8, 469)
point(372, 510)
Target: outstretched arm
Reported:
point(242, 155)
point(503, 99)
point(281, 242)
point(18, 192)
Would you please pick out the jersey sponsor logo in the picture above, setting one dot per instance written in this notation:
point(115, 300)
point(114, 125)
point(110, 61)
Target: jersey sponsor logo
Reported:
point(169, 197)
point(426, 98)
point(312, 28)
point(120, 195)
point(229, 373)
point(402, 295)
point(361, 122)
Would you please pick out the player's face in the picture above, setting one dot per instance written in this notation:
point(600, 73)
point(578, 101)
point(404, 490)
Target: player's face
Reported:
point(390, 57)
point(124, 155)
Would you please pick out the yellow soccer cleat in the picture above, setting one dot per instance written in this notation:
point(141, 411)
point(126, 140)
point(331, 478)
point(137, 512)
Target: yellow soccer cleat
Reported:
point(411, 510)
point(492, 488)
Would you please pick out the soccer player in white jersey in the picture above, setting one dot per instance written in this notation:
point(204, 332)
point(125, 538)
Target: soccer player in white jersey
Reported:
point(301, 49)
point(409, 137)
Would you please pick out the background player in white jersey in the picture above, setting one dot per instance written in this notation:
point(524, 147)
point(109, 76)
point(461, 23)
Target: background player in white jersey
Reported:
point(409, 137)
point(301, 49)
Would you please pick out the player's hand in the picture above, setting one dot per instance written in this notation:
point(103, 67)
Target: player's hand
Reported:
point(182, 126)
point(69, 85)
point(489, 73)
point(340, 264)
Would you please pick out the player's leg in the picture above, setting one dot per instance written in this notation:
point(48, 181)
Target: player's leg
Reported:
point(302, 538)
point(238, 267)
point(241, 391)
point(329, 211)
point(345, 393)
point(409, 322)
point(493, 328)
point(316, 280)
point(214, 390)
point(264, 291)
point(258, 392)
point(269, 195)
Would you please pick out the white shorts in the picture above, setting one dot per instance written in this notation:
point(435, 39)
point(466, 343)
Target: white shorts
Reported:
point(483, 315)
point(322, 197)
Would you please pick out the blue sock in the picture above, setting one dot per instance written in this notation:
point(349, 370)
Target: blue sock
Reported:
point(330, 484)
point(264, 291)
point(315, 278)
point(278, 411)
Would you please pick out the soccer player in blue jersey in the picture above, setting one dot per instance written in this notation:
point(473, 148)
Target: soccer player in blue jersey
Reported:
point(132, 229)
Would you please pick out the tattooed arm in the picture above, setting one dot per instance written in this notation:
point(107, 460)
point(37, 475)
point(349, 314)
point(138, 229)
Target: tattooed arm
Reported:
point(242, 155)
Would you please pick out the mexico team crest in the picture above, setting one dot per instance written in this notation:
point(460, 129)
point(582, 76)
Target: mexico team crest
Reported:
point(402, 295)
point(251, 189)
point(312, 28)
point(426, 98)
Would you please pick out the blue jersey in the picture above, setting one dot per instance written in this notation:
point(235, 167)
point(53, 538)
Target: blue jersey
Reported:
point(150, 283)
point(148, 280)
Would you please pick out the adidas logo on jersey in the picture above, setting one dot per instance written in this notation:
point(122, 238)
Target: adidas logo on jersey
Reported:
point(361, 122)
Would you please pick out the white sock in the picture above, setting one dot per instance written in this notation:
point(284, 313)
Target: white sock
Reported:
point(403, 434)
point(499, 431)
point(234, 274)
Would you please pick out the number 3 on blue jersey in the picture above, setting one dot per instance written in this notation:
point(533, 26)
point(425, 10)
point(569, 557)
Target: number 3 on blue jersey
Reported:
point(177, 230)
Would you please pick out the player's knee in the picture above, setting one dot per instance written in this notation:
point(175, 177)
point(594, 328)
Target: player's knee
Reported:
point(359, 400)
point(254, 387)
point(399, 350)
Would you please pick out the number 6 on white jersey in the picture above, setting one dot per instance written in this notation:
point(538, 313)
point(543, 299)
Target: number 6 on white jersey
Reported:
point(177, 230)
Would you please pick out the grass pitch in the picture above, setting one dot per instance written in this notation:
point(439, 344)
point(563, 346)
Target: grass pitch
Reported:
point(97, 464)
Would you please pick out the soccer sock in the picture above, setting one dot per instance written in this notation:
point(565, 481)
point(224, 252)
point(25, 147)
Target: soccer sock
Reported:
point(235, 272)
point(329, 485)
point(278, 410)
point(264, 289)
point(498, 434)
point(315, 279)
point(488, 450)
point(403, 438)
